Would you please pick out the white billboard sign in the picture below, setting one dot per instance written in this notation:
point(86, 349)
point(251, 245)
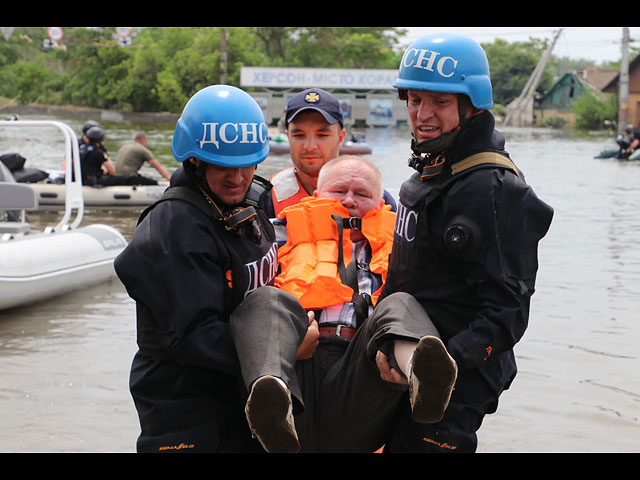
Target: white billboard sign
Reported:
point(338, 78)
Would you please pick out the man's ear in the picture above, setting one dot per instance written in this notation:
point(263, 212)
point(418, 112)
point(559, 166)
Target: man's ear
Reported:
point(341, 136)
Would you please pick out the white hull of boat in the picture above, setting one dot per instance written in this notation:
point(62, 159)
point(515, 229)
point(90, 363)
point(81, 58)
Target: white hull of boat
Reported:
point(121, 195)
point(38, 266)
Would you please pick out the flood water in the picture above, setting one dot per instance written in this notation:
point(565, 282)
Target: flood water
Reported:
point(65, 362)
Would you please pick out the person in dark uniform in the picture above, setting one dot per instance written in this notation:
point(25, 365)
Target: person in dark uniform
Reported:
point(188, 266)
point(466, 235)
point(83, 141)
point(633, 135)
point(97, 168)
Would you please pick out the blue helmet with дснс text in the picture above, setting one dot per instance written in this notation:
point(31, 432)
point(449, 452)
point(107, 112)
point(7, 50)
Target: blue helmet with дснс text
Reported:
point(447, 63)
point(222, 125)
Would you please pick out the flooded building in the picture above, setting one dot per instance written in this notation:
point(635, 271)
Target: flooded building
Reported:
point(557, 101)
point(633, 115)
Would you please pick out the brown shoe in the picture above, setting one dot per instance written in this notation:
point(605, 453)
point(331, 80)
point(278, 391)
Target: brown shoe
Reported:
point(433, 375)
point(269, 413)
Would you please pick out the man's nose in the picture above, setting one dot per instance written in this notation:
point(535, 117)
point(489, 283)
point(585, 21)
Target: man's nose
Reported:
point(425, 111)
point(310, 142)
point(348, 201)
point(234, 175)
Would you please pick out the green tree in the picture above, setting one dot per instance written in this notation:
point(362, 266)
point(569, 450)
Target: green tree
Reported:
point(511, 66)
point(26, 81)
point(592, 113)
point(92, 65)
point(341, 47)
point(275, 43)
point(151, 84)
point(170, 64)
point(28, 73)
point(165, 65)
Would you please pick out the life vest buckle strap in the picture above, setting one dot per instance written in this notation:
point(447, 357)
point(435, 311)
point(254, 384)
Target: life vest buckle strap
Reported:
point(363, 266)
point(352, 222)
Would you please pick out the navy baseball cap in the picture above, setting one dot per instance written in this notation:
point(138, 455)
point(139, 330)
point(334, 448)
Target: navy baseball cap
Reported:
point(318, 100)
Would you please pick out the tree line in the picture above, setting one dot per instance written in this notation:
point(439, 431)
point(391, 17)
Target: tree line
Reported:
point(162, 67)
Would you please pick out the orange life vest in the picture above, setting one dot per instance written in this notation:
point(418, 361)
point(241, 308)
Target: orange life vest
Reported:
point(287, 189)
point(309, 260)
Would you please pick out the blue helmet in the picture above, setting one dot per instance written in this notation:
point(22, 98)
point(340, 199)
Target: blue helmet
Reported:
point(222, 125)
point(447, 63)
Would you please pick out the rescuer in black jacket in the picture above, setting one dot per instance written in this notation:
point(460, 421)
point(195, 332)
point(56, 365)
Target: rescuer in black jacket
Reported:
point(466, 235)
point(189, 264)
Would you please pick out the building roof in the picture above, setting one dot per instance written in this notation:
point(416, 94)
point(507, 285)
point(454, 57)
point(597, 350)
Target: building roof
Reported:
point(565, 91)
point(612, 86)
point(598, 77)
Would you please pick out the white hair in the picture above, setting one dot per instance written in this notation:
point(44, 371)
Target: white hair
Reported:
point(377, 175)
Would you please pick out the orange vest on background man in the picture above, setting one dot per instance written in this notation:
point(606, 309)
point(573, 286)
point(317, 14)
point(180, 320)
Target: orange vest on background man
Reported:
point(309, 259)
point(287, 189)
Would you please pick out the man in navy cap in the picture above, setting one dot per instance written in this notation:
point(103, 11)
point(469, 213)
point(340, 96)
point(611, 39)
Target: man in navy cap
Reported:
point(315, 127)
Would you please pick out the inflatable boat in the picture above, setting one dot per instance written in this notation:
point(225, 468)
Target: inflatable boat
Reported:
point(50, 187)
point(35, 266)
point(115, 196)
point(356, 146)
point(620, 153)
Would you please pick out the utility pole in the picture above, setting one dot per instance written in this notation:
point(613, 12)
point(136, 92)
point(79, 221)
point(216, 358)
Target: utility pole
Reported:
point(223, 55)
point(623, 92)
point(520, 111)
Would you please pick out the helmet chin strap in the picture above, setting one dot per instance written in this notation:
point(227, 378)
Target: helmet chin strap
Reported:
point(428, 157)
point(436, 145)
point(231, 219)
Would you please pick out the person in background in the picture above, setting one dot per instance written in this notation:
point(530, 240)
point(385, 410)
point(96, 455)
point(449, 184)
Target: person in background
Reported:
point(634, 138)
point(466, 235)
point(83, 141)
point(131, 158)
point(97, 167)
point(315, 128)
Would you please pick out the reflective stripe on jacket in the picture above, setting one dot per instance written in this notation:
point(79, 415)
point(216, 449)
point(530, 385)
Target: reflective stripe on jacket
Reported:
point(287, 189)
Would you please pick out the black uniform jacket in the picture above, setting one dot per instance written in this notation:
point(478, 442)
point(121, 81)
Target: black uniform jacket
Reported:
point(180, 267)
point(91, 159)
point(466, 247)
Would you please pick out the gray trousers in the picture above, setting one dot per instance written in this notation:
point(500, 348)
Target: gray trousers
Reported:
point(340, 402)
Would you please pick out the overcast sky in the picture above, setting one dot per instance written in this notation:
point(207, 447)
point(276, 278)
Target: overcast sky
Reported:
point(593, 43)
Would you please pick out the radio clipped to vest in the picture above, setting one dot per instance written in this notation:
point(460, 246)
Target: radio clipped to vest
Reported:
point(428, 166)
point(243, 218)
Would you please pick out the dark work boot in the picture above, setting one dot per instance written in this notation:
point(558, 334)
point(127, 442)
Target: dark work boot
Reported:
point(433, 375)
point(269, 412)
